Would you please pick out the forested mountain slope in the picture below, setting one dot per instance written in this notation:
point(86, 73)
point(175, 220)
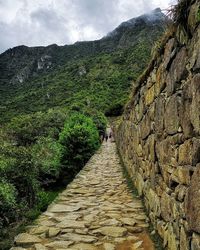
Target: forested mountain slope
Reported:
point(100, 72)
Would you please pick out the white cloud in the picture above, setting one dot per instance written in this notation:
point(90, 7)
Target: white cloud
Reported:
point(37, 22)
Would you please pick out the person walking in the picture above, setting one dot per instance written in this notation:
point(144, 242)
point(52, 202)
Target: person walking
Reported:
point(106, 136)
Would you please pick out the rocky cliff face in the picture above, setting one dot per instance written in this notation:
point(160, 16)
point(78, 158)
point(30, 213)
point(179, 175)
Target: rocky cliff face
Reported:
point(159, 136)
point(22, 62)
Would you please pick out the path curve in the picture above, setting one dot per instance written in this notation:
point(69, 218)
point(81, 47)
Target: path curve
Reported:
point(95, 212)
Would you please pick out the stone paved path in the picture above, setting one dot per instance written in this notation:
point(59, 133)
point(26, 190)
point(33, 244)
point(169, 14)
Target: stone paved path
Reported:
point(96, 211)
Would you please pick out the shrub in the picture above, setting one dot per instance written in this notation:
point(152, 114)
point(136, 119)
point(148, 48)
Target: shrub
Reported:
point(7, 201)
point(44, 199)
point(7, 166)
point(27, 128)
point(180, 12)
point(7, 195)
point(23, 128)
point(46, 154)
point(79, 139)
point(16, 165)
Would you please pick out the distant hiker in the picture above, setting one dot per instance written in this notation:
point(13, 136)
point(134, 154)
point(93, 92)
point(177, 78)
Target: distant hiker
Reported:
point(102, 137)
point(111, 136)
point(106, 136)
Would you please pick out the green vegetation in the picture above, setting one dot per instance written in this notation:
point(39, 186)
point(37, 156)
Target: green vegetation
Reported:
point(7, 197)
point(38, 152)
point(79, 140)
point(180, 14)
point(100, 82)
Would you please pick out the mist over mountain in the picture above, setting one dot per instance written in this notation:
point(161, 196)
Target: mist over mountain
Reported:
point(23, 62)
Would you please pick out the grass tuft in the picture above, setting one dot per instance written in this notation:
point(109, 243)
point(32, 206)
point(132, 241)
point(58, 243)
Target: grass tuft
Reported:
point(179, 13)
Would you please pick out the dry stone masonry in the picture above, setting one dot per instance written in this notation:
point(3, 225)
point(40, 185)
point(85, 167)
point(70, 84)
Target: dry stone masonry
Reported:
point(96, 211)
point(159, 136)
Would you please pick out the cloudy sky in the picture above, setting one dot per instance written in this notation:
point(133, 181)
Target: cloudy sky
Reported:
point(43, 22)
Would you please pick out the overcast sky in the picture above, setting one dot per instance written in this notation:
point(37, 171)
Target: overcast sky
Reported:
point(44, 22)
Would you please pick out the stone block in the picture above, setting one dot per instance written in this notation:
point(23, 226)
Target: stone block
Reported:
point(151, 112)
point(160, 80)
point(166, 207)
point(175, 212)
point(153, 75)
point(167, 150)
point(149, 95)
point(161, 228)
point(139, 183)
point(177, 71)
point(26, 240)
point(180, 192)
point(153, 175)
point(170, 208)
point(171, 236)
point(139, 150)
point(145, 126)
point(165, 238)
point(184, 240)
point(152, 218)
point(195, 244)
point(152, 78)
point(192, 202)
point(149, 148)
point(139, 108)
point(166, 174)
point(139, 113)
point(162, 184)
point(146, 168)
point(149, 82)
point(194, 51)
point(141, 91)
point(189, 152)
point(171, 115)
point(159, 114)
point(154, 202)
point(185, 107)
point(181, 175)
point(134, 135)
point(169, 53)
point(194, 108)
point(158, 190)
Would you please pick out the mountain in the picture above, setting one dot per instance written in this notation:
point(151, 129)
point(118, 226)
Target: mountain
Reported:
point(38, 78)
point(152, 18)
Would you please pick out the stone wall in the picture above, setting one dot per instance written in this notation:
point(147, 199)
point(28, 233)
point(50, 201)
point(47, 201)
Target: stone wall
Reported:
point(159, 137)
